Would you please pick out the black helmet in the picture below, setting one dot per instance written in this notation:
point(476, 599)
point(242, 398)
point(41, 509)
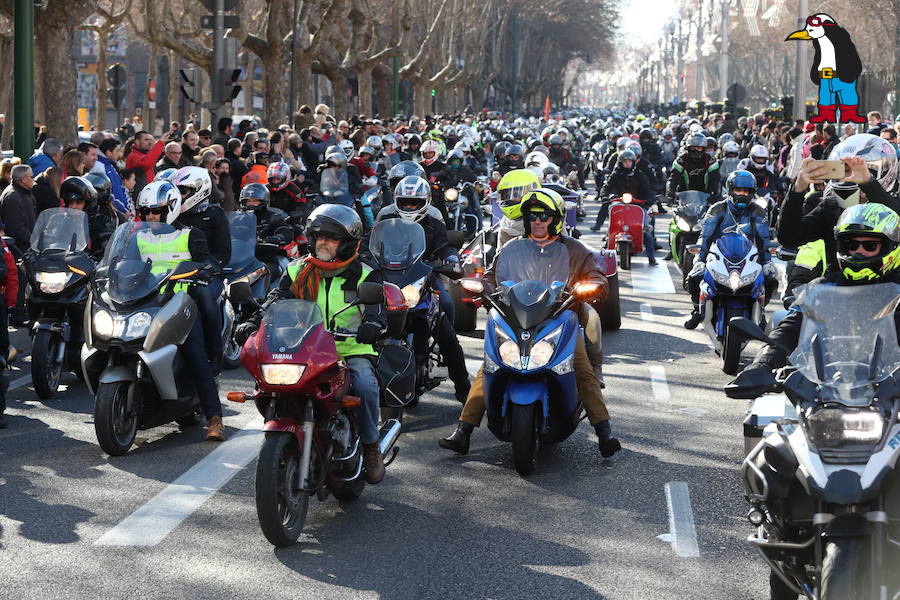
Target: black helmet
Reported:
point(626, 154)
point(253, 192)
point(403, 169)
point(501, 149)
point(515, 149)
point(695, 140)
point(103, 186)
point(79, 189)
point(339, 222)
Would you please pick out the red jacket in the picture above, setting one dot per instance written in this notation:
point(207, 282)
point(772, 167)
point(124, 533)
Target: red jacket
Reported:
point(145, 161)
point(11, 285)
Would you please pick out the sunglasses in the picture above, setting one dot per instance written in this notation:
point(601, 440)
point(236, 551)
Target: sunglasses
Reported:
point(868, 245)
point(542, 217)
point(154, 211)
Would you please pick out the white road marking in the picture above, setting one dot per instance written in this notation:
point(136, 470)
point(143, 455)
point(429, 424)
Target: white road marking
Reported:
point(149, 524)
point(682, 533)
point(659, 383)
point(650, 280)
point(646, 313)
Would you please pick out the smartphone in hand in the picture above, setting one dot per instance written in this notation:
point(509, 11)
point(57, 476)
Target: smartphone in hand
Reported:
point(827, 169)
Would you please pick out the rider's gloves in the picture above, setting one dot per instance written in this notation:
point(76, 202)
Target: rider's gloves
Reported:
point(368, 333)
point(244, 331)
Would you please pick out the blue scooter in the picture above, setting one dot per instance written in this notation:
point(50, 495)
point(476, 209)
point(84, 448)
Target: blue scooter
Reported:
point(529, 348)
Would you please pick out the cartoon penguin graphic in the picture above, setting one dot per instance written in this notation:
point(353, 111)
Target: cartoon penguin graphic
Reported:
point(835, 69)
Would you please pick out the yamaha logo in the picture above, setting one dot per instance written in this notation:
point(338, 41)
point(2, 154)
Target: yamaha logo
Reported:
point(281, 356)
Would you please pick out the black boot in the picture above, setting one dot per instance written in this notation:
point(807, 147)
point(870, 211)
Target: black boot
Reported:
point(608, 444)
point(458, 441)
point(694, 320)
point(668, 256)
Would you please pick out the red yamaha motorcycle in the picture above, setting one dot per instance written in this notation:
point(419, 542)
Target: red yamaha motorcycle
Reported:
point(312, 443)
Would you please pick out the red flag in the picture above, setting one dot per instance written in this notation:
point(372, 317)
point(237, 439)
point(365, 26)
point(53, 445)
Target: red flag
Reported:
point(547, 109)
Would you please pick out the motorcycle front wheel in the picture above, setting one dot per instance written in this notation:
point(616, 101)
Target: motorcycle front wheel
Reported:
point(281, 503)
point(624, 250)
point(731, 345)
point(524, 438)
point(115, 426)
point(46, 370)
point(231, 358)
point(844, 570)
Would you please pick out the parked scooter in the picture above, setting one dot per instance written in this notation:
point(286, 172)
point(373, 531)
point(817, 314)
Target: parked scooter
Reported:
point(132, 359)
point(312, 445)
point(822, 483)
point(529, 343)
point(58, 269)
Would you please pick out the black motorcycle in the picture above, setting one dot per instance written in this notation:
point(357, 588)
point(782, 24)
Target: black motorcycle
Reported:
point(58, 268)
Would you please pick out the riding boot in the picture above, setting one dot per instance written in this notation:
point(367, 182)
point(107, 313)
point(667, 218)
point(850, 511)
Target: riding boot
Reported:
point(694, 319)
point(608, 444)
point(458, 441)
point(373, 462)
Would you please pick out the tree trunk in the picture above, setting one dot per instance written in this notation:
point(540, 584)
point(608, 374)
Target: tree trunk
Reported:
point(305, 92)
point(340, 100)
point(152, 75)
point(6, 62)
point(53, 47)
point(477, 97)
point(364, 87)
point(250, 83)
point(383, 79)
point(421, 99)
point(274, 89)
point(100, 106)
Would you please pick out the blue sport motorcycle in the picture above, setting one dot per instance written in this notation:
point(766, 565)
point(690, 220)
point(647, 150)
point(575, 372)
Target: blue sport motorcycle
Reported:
point(529, 348)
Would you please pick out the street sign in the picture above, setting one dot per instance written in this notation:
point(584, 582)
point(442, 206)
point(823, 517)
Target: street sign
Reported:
point(151, 90)
point(211, 5)
point(230, 22)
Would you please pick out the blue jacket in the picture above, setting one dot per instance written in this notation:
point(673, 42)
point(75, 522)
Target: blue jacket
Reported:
point(720, 217)
point(119, 195)
point(40, 162)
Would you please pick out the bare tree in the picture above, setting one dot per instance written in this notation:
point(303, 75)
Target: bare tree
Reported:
point(110, 15)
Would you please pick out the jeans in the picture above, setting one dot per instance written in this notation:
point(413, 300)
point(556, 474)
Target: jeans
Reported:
point(445, 301)
point(834, 91)
point(473, 208)
point(649, 236)
point(602, 214)
point(364, 384)
point(201, 373)
point(4, 347)
point(210, 318)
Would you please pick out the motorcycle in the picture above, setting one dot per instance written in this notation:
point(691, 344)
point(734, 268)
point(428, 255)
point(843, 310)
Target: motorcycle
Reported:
point(529, 344)
point(456, 202)
point(244, 267)
point(476, 256)
point(58, 269)
point(312, 443)
point(132, 359)
point(684, 229)
point(733, 285)
point(821, 483)
point(626, 229)
point(765, 200)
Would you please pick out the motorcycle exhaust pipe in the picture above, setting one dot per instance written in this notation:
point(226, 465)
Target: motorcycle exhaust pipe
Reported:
point(387, 435)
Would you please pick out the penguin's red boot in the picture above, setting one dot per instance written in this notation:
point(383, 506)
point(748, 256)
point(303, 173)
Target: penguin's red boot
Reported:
point(849, 114)
point(826, 113)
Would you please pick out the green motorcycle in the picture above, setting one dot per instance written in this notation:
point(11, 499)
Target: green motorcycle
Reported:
point(684, 229)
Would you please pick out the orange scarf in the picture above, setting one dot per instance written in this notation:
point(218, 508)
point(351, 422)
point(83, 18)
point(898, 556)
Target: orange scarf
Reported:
point(306, 284)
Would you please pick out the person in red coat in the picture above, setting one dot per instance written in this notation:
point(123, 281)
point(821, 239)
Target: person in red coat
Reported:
point(9, 282)
point(144, 155)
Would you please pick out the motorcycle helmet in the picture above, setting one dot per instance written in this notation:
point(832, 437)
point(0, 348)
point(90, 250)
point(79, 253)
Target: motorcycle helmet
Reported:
point(667, 134)
point(514, 155)
point(338, 222)
point(731, 149)
point(254, 197)
point(551, 174)
point(412, 197)
point(79, 189)
point(160, 197)
point(455, 160)
point(165, 174)
point(279, 176)
point(500, 149)
point(624, 155)
point(622, 142)
point(512, 187)
point(404, 169)
point(430, 152)
point(613, 133)
point(741, 188)
point(103, 186)
point(759, 157)
point(645, 135)
point(347, 148)
point(856, 260)
point(725, 138)
point(636, 148)
point(413, 142)
point(195, 187)
point(880, 159)
point(544, 201)
point(555, 141)
point(696, 145)
point(374, 142)
point(337, 159)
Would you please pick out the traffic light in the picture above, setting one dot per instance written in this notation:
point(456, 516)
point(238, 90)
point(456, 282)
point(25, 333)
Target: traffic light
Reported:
point(116, 78)
point(787, 104)
point(230, 88)
point(190, 83)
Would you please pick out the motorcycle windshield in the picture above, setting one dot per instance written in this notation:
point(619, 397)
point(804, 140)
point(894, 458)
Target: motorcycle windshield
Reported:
point(848, 339)
point(288, 322)
point(60, 228)
point(734, 247)
point(396, 244)
point(334, 182)
point(243, 237)
point(129, 273)
point(728, 165)
point(524, 260)
point(692, 203)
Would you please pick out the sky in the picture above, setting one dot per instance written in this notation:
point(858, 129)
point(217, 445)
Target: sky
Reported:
point(643, 20)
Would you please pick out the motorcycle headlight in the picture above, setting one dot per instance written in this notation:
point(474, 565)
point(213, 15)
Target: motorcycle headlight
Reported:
point(451, 195)
point(282, 374)
point(509, 354)
point(835, 427)
point(104, 324)
point(413, 293)
point(682, 224)
point(749, 278)
point(52, 283)
point(541, 353)
point(138, 324)
point(734, 280)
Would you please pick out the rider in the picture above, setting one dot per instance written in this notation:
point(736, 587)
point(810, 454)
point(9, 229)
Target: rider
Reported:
point(330, 276)
point(624, 179)
point(460, 173)
point(544, 214)
point(284, 194)
point(165, 251)
point(80, 194)
point(758, 164)
point(868, 251)
point(694, 170)
point(412, 197)
point(560, 155)
point(739, 211)
point(272, 224)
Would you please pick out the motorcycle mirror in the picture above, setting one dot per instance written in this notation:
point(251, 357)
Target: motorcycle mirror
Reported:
point(240, 292)
point(370, 293)
point(694, 248)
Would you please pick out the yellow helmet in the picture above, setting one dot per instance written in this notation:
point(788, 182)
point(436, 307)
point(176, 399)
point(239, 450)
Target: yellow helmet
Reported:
point(513, 187)
point(870, 220)
point(544, 200)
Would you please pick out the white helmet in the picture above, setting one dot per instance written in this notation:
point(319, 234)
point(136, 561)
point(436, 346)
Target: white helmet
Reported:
point(412, 197)
point(878, 154)
point(347, 148)
point(374, 141)
point(430, 146)
point(159, 194)
point(731, 148)
point(195, 186)
point(463, 145)
point(759, 157)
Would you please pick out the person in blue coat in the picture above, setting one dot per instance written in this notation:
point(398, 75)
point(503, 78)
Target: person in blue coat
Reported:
point(110, 152)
